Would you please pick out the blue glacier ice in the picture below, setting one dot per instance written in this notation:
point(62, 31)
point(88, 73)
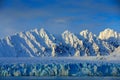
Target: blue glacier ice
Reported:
point(54, 69)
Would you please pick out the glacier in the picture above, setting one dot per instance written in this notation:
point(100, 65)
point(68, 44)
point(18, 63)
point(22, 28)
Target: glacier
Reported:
point(41, 43)
point(40, 53)
point(58, 67)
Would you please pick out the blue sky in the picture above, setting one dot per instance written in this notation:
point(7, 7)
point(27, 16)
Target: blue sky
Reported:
point(58, 15)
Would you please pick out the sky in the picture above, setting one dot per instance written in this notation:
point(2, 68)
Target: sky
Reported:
point(56, 16)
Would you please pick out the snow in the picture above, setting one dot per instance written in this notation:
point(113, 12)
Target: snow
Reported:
point(8, 41)
point(40, 43)
point(86, 34)
point(114, 55)
point(107, 33)
point(39, 53)
point(47, 37)
point(71, 39)
point(110, 36)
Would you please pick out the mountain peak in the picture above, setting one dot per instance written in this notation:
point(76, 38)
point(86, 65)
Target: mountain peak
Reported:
point(107, 34)
point(84, 33)
point(87, 35)
point(111, 36)
point(42, 29)
point(108, 29)
point(66, 32)
point(39, 42)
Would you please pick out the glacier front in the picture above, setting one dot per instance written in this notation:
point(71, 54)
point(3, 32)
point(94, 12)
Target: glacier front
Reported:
point(58, 67)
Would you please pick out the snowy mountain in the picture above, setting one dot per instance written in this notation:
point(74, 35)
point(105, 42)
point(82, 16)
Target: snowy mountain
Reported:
point(114, 55)
point(110, 36)
point(40, 43)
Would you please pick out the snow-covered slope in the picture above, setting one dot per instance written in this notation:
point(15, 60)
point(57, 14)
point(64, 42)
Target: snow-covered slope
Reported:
point(40, 43)
point(110, 36)
point(114, 55)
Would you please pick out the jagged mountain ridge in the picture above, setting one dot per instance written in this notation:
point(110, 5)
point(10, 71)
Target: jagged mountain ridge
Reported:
point(40, 43)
